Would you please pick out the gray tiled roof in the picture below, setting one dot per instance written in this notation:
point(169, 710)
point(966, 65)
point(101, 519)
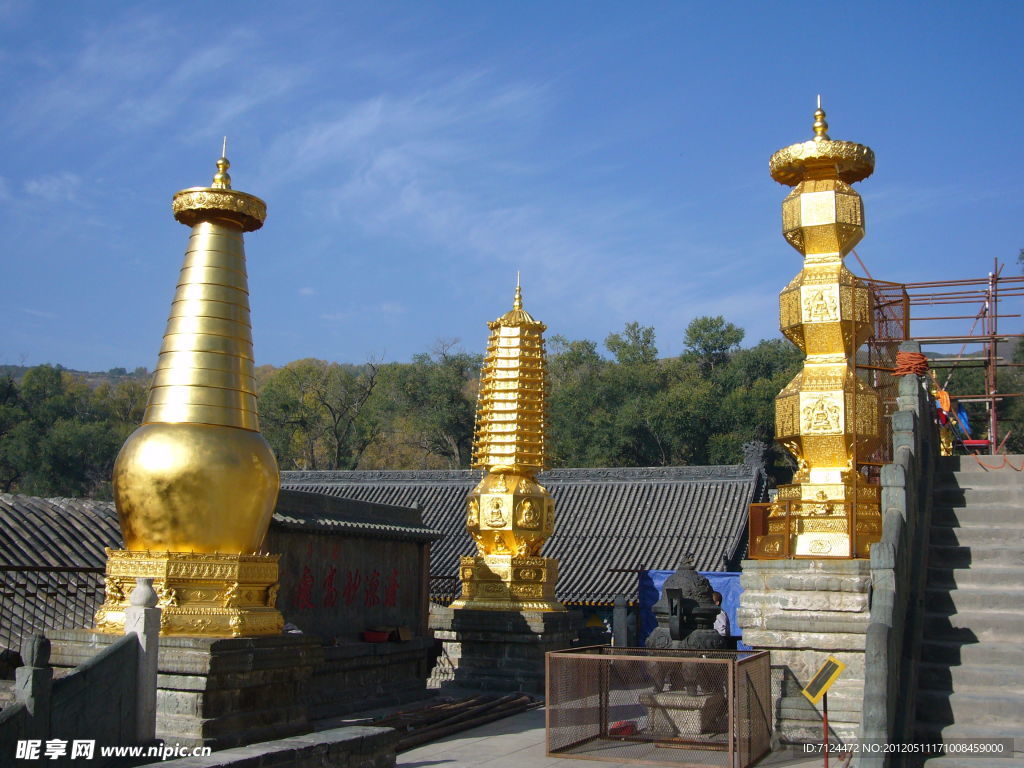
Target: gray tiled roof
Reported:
point(56, 532)
point(605, 518)
point(299, 509)
point(74, 532)
point(627, 518)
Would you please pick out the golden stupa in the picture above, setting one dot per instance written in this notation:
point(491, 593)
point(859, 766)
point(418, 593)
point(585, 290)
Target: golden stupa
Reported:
point(196, 484)
point(509, 514)
point(827, 417)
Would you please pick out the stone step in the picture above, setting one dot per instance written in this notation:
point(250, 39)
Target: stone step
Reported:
point(993, 709)
point(978, 479)
point(973, 464)
point(995, 653)
point(975, 624)
point(940, 733)
point(970, 678)
point(966, 556)
point(947, 601)
point(976, 536)
point(797, 707)
point(1002, 515)
point(994, 495)
point(978, 577)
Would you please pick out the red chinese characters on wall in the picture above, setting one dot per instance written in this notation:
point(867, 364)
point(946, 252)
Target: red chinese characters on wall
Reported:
point(391, 591)
point(330, 593)
point(304, 591)
point(371, 595)
point(352, 582)
point(374, 589)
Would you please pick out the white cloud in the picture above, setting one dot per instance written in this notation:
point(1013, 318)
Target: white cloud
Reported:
point(39, 313)
point(55, 188)
point(143, 69)
point(307, 291)
point(443, 169)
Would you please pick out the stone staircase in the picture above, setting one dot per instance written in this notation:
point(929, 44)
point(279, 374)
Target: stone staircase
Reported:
point(971, 676)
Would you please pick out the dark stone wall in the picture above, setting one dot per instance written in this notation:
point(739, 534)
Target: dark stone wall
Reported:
point(336, 586)
point(228, 692)
point(109, 677)
point(96, 701)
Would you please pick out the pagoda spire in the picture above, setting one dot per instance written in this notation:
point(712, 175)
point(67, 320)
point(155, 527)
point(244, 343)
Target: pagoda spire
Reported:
point(512, 404)
point(204, 374)
point(509, 514)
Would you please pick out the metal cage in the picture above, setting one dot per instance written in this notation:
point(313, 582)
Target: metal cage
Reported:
point(659, 706)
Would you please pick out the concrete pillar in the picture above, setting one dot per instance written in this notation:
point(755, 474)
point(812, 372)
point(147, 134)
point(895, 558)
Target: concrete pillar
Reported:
point(33, 686)
point(620, 629)
point(142, 619)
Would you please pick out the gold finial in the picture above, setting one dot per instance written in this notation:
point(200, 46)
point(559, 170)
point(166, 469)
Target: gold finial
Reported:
point(517, 302)
point(221, 179)
point(820, 126)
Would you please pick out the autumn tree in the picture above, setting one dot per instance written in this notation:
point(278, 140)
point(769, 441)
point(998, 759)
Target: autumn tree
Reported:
point(315, 414)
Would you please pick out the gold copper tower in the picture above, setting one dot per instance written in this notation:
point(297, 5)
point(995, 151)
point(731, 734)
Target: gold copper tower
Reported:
point(196, 484)
point(509, 514)
point(827, 417)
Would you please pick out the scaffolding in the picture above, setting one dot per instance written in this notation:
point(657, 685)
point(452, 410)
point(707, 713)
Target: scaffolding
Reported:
point(877, 361)
point(899, 307)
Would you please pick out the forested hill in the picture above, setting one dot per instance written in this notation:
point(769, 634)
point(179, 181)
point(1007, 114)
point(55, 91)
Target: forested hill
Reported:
point(92, 378)
point(619, 404)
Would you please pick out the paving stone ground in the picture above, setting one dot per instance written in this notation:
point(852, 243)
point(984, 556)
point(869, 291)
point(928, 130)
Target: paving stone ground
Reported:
point(518, 742)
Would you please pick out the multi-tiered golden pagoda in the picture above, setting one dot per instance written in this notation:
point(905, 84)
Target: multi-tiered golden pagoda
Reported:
point(827, 417)
point(195, 485)
point(509, 514)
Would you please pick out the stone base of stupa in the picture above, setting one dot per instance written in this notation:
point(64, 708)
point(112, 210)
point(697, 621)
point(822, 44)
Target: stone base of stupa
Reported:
point(200, 594)
point(508, 583)
point(814, 520)
point(504, 650)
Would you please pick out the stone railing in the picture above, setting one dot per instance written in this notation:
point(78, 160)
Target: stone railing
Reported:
point(898, 573)
point(109, 700)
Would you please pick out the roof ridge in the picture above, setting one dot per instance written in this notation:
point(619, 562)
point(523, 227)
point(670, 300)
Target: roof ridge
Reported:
point(724, 472)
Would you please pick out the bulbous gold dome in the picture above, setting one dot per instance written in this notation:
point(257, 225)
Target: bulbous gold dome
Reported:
point(195, 488)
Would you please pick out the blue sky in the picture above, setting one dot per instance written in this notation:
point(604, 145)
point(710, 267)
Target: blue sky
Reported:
point(414, 155)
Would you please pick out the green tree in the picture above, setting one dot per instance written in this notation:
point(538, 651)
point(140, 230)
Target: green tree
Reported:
point(601, 410)
point(575, 411)
point(634, 346)
point(436, 394)
point(58, 438)
point(711, 340)
point(12, 414)
point(627, 388)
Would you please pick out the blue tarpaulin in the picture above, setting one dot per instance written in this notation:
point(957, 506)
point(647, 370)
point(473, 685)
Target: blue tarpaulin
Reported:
point(649, 590)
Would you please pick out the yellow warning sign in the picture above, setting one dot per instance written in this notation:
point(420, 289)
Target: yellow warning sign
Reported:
point(823, 678)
